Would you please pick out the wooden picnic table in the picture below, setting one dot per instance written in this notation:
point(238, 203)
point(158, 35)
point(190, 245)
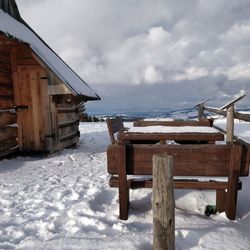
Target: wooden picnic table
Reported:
point(177, 133)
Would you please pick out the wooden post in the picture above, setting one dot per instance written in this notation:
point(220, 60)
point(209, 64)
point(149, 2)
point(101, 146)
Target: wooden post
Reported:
point(200, 111)
point(230, 123)
point(123, 189)
point(163, 203)
point(233, 181)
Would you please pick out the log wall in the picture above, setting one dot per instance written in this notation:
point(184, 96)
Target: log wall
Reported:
point(65, 121)
point(8, 131)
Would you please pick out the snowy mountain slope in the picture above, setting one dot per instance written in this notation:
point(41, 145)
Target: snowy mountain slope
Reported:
point(63, 201)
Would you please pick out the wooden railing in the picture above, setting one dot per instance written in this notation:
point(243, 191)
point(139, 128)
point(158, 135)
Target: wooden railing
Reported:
point(227, 110)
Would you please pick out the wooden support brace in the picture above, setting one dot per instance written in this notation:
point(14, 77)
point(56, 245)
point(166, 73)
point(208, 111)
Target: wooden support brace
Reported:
point(233, 180)
point(220, 200)
point(123, 187)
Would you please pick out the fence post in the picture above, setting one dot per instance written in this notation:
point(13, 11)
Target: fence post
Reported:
point(200, 111)
point(163, 203)
point(230, 123)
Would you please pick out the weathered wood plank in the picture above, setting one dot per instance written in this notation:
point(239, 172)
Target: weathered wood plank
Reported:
point(4, 52)
point(66, 132)
point(190, 160)
point(163, 204)
point(233, 180)
point(6, 103)
point(178, 184)
point(36, 112)
point(9, 151)
point(24, 52)
point(237, 115)
point(7, 145)
point(7, 118)
point(71, 109)
point(68, 123)
point(4, 57)
point(177, 123)
point(68, 142)
point(6, 90)
point(4, 67)
point(8, 133)
point(5, 77)
point(198, 137)
point(67, 117)
point(26, 61)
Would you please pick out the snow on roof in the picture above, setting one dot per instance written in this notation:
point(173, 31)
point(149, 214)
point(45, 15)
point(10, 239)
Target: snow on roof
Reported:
point(12, 27)
point(173, 129)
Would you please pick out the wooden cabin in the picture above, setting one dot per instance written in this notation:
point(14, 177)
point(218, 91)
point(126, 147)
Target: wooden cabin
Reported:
point(40, 94)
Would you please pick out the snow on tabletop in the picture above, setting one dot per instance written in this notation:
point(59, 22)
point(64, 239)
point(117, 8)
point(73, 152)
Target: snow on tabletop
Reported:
point(16, 29)
point(158, 119)
point(173, 129)
point(63, 201)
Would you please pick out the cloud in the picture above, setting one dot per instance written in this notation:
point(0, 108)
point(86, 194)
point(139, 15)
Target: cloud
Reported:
point(149, 43)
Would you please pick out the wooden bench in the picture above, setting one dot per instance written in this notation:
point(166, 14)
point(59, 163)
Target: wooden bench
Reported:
point(114, 126)
point(231, 161)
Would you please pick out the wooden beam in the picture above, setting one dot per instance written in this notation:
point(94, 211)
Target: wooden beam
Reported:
point(178, 184)
point(7, 118)
point(237, 115)
point(7, 133)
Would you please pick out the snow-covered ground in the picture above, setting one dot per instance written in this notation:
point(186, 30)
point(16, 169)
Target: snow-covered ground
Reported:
point(63, 201)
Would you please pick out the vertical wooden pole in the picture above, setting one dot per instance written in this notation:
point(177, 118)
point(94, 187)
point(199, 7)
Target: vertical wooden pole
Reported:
point(163, 203)
point(200, 111)
point(123, 189)
point(230, 123)
point(220, 200)
point(15, 83)
point(233, 181)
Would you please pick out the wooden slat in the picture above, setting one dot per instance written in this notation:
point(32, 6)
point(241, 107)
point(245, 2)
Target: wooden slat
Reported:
point(26, 61)
point(67, 131)
point(4, 67)
point(68, 142)
point(245, 158)
point(24, 52)
point(7, 118)
point(189, 160)
point(71, 109)
point(6, 90)
point(67, 117)
point(4, 52)
point(8, 144)
point(10, 151)
point(133, 136)
point(68, 123)
point(6, 103)
point(4, 57)
point(177, 123)
point(178, 184)
point(7, 133)
point(5, 78)
point(70, 136)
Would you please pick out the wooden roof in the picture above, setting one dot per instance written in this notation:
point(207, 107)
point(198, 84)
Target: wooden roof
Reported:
point(12, 24)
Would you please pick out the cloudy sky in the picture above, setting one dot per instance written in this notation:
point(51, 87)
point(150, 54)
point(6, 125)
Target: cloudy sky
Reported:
point(148, 54)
